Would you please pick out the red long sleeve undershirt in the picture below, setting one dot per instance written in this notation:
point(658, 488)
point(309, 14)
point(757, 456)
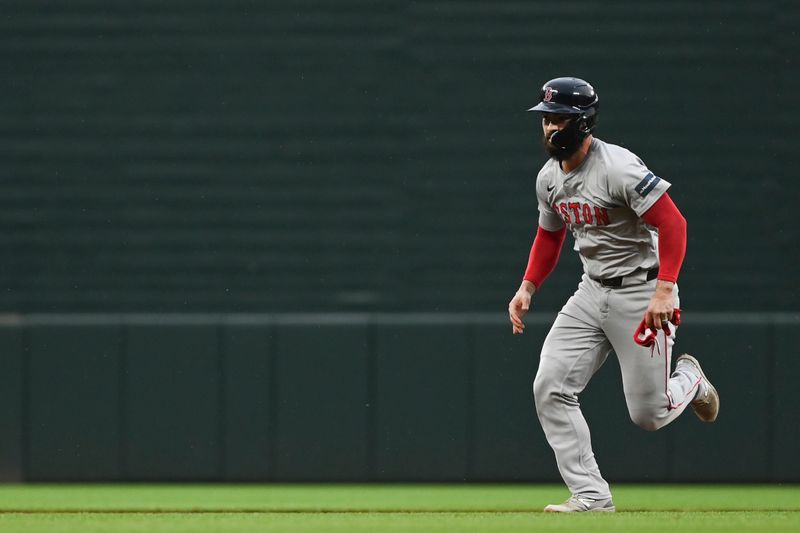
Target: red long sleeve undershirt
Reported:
point(663, 214)
point(544, 254)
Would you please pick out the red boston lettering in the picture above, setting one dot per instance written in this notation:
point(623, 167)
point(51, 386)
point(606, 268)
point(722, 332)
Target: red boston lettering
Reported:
point(601, 216)
point(587, 213)
point(571, 213)
point(564, 213)
point(576, 210)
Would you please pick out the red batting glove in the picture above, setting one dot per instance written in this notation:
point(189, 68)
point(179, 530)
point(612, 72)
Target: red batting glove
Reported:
point(645, 336)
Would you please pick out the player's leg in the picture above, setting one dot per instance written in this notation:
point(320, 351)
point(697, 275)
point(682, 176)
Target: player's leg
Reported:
point(655, 395)
point(573, 351)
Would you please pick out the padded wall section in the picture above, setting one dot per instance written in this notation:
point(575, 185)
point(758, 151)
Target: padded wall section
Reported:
point(74, 398)
point(323, 404)
point(13, 409)
point(365, 398)
point(783, 418)
point(247, 405)
point(423, 402)
point(172, 402)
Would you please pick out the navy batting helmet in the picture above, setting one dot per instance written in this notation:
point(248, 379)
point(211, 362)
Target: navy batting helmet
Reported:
point(570, 96)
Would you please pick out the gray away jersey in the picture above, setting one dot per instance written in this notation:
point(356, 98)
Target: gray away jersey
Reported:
point(601, 202)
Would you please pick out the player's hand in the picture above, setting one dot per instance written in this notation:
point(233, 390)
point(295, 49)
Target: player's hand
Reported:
point(519, 305)
point(661, 306)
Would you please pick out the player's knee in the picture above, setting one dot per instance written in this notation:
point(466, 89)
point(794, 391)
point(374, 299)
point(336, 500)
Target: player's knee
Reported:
point(546, 393)
point(647, 420)
point(543, 390)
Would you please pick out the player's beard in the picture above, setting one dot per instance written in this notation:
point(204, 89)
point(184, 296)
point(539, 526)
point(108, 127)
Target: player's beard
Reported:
point(556, 152)
point(552, 150)
point(570, 140)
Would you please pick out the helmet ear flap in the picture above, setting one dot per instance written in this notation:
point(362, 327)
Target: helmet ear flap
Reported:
point(583, 125)
point(587, 122)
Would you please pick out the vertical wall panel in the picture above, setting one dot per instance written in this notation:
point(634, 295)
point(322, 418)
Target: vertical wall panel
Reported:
point(323, 406)
point(11, 409)
point(785, 412)
point(508, 440)
point(735, 447)
point(74, 402)
point(247, 425)
point(423, 404)
point(172, 402)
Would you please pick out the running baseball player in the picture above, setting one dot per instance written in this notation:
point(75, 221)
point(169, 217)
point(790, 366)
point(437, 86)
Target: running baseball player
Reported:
point(631, 239)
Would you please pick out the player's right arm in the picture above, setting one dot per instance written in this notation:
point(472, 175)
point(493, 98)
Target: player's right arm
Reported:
point(542, 259)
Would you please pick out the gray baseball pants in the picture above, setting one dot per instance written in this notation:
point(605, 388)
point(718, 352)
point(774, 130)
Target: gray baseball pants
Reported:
point(594, 321)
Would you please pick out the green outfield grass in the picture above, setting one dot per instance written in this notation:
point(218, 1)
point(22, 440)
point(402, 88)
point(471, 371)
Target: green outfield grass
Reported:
point(361, 508)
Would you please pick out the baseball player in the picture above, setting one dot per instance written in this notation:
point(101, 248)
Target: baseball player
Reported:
point(631, 239)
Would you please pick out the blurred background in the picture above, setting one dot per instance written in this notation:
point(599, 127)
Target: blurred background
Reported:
point(276, 240)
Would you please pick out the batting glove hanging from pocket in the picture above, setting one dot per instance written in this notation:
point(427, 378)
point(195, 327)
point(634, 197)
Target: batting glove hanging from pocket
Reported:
point(646, 337)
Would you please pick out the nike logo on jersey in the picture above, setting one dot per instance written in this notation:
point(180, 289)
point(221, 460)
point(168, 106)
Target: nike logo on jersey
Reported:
point(550, 188)
point(647, 184)
point(581, 213)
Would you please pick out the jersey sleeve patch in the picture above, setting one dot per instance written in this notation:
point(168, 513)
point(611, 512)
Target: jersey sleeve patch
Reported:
point(647, 184)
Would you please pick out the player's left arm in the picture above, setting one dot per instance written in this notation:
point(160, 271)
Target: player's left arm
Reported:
point(671, 224)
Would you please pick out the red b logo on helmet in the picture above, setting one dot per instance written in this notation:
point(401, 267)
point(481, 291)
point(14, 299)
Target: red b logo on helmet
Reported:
point(548, 94)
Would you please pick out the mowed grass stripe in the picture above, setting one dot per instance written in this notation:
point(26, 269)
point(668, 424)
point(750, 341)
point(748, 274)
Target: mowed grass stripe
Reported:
point(651, 522)
point(211, 498)
point(353, 511)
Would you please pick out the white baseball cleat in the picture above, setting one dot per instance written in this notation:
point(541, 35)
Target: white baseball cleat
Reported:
point(582, 504)
point(706, 403)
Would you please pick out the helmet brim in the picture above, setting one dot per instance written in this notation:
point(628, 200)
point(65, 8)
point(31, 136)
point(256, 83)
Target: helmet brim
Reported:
point(554, 107)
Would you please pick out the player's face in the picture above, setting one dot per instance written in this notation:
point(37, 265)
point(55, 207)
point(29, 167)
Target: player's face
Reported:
point(552, 122)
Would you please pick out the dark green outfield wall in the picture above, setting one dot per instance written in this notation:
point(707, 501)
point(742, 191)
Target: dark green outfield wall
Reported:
point(237, 157)
point(199, 156)
point(362, 398)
